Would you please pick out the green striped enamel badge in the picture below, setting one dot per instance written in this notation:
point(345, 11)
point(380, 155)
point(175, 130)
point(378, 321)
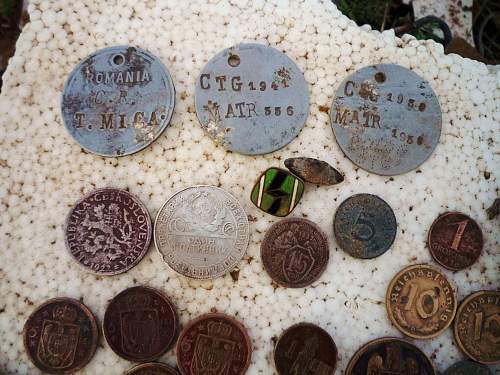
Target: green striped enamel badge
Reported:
point(277, 192)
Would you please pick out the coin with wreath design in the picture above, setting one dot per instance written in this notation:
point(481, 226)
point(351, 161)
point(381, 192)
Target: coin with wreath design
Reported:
point(108, 231)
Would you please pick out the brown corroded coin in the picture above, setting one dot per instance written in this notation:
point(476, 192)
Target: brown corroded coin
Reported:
point(108, 231)
point(389, 356)
point(314, 171)
point(421, 302)
point(305, 349)
point(140, 324)
point(455, 241)
point(213, 344)
point(468, 368)
point(60, 336)
point(153, 368)
point(477, 326)
point(295, 252)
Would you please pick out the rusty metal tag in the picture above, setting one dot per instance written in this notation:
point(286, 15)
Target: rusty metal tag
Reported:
point(252, 99)
point(117, 101)
point(386, 119)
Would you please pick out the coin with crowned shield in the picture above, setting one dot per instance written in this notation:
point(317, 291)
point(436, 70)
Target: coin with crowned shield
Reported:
point(108, 231)
point(140, 324)
point(252, 99)
point(117, 101)
point(202, 232)
point(60, 336)
point(214, 344)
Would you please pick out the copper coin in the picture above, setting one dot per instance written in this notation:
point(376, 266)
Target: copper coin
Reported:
point(214, 344)
point(389, 356)
point(295, 252)
point(468, 368)
point(152, 368)
point(305, 349)
point(108, 231)
point(60, 336)
point(140, 324)
point(421, 302)
point(455, 241)
point(477, 326)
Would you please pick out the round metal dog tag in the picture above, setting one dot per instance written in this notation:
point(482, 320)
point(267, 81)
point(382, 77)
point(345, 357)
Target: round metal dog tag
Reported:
point(386, 119)
point(117, 101)
point(252, 99)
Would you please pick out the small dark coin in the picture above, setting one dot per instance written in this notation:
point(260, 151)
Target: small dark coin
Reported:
point(277, 192)
point(314, 171)
point(295, 252)
point(365, 226)
point(468, 368)
point(477, 327)
point(60, 336)
point(252, 99)
point(140, 324)
point(117, 101)
point(455, 241)
point(108, 231)
point(305, 349)
point(389, 356)
point(214, 344)
point(386, 119)
point(494, 209)
point(153, 368)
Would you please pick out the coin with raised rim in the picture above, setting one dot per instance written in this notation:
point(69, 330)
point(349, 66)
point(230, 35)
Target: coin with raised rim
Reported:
point(202, 232)
point(477, 326)
point(389, 355)
point(468, 368)
point(60, 336)
point(117, 101)
point(108, 231)
point(140, 324)
point(295, 252)
point(218, 337)
point(421, 302)
point(364, 226)
point(305, 349)
point(252, 99)
point(455, 241)
point(386, 119)
point(153, 368)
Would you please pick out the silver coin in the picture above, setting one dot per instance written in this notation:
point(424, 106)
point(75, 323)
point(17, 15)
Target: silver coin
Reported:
point(252, 99)
point(201, 232)
point(386, 119)
point(117, 101)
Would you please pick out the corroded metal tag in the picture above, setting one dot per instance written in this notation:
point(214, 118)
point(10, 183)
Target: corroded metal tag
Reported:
point(386, 119)
point(117, 101)
point(252, 99)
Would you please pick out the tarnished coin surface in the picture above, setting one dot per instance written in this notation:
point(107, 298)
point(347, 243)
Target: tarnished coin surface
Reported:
point(252, 99)
point(477, 326)
point(455, 241)
point(314, 171)
point(295, 252)
point(277, 192)
point(117, 101)
point(364, 226)
point(386, 119)
point(60, 336)
point(108, 231)
point(202, 232)
point(468, 368)
point(214, 344)
point(389, 356)
point(153, 368)
point(140, 324)
point(421, 302)
point(305, 349)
